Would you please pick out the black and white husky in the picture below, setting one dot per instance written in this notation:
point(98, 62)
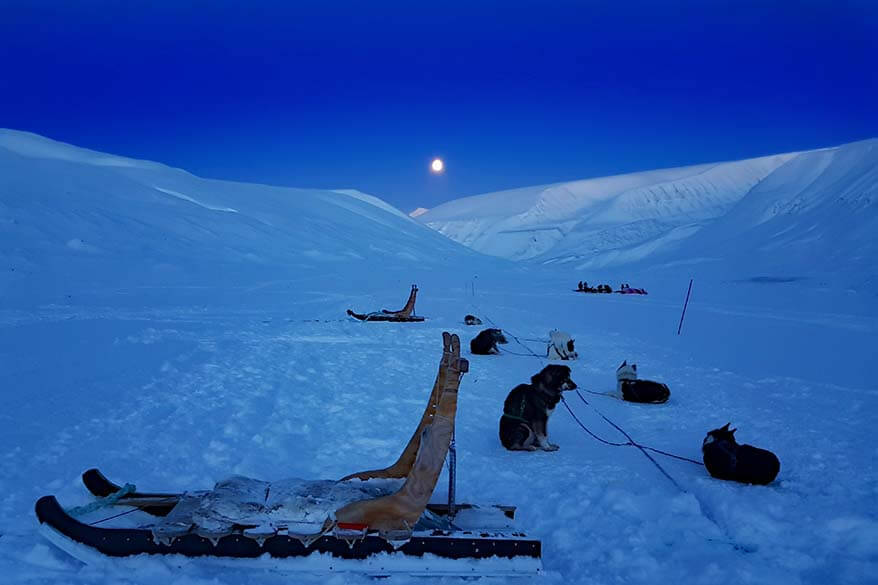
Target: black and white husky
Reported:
point(472, 320)
point(560, 346)
point(634, 390)
point(485, 343)
point(525, 420)
point(724, 458)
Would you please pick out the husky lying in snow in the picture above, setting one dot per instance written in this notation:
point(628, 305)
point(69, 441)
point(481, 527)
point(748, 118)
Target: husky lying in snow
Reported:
point(560, 346)
point(724, 458)
point(485, 343)
point(524, 424)
point(472, 320)
point(634, 390)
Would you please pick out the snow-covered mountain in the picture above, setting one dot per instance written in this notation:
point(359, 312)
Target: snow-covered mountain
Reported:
point(74, 218)
point(787, 214)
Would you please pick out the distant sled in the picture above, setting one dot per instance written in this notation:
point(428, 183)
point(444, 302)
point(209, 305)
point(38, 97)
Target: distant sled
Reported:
point(404, 315)
point(627, 290)
point(383, 317)
point(378, 522)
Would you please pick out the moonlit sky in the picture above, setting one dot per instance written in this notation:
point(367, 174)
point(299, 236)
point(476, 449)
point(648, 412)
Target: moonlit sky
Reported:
point(365, 94)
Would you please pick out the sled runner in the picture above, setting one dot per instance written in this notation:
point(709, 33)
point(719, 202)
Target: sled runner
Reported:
point(404, 315)
point(376, 522)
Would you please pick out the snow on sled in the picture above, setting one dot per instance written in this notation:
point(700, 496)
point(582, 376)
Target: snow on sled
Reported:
point(377, 522)
point(404, 315)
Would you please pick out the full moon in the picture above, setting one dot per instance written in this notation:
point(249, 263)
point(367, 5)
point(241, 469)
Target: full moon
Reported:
point(437, 166)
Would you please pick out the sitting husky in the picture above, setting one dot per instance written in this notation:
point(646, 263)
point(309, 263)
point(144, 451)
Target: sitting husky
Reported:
point(485, 343)
point(634, 390)
point(524, 424)
point(472, 320)
point(724, 458)
point(560, 346)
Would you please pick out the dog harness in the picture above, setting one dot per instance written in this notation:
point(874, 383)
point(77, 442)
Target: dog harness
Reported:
point(520, 412)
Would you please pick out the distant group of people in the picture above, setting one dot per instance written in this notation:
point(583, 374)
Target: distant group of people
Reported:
point(601, 288)
point(606, 288)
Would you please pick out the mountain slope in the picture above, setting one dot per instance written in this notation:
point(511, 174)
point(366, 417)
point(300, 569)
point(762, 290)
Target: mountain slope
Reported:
point(816, 214)
point(725, 211)
point(73, 219)
point(530, 222)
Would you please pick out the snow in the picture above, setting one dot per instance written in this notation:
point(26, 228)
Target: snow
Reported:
point(371, 199)
point(174, 345)
point(195, 201)
point(798, 214)
point(35, 146)
point(153, 226)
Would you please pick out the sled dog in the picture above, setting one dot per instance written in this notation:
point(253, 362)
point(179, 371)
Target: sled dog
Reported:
point(634, 390)
point(560, 346)
point(524, 424)
point(724, 458)
point(472, 320)
point(485, 343)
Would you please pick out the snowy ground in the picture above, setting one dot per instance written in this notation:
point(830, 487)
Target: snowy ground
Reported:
point(173, 331)
point(176, 396)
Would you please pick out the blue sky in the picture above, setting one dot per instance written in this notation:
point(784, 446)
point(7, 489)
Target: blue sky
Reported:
point(364, 94)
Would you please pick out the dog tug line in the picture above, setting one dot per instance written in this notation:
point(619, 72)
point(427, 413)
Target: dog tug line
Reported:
point(375, 522)
point(723, 457)
point(718, 440)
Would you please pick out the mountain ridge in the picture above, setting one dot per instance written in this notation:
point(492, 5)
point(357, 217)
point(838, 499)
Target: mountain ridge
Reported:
point(671, 216)
point(75, 219)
